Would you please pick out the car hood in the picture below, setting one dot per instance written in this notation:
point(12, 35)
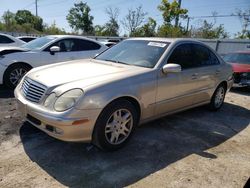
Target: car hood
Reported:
point(11, 49)
point(84, 72)
point(237, 67)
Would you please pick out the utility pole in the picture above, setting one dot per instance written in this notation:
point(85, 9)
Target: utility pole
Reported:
point(188, 23)
point(177, 18)
point(36, 7)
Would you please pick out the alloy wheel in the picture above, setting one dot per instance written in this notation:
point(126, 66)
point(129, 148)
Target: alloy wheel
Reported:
point(16, 75)
point(119, 126)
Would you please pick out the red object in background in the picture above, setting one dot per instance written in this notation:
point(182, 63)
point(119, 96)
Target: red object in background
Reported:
point(237, 67)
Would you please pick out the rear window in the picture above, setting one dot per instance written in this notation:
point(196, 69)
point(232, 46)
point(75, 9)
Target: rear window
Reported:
point(237, 58)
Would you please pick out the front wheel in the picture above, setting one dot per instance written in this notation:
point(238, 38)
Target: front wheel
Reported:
point(115, 125)
point(14, 74)
point(218, 98)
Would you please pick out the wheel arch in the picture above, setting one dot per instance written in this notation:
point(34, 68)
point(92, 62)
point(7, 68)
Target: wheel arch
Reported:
point(19, 63)
point(130, 99)
point(14, 64)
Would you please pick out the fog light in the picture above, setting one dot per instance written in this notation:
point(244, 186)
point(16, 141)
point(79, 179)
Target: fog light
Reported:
point(58, 131)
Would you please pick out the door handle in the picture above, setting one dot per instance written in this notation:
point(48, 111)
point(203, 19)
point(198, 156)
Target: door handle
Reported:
point(194, 76)
point(217, 72)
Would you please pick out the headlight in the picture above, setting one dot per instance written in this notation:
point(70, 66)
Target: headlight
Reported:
point(67, 100)
point(50, 100)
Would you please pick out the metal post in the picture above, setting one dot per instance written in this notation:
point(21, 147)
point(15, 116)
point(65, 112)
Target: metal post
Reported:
point(187, 24)
point(36, 8)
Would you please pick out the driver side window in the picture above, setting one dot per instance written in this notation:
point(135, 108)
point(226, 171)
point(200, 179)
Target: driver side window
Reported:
point(183, 56)
point(66, 45)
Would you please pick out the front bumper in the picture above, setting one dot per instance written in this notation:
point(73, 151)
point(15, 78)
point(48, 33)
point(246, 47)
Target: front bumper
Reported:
point(241, 79)
point(59, 125)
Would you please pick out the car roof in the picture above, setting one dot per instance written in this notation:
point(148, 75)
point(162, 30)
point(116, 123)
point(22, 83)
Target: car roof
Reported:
point(74, 36)
point(13, 38)
point(26, 37)
point(159, 39)
point(241, 52)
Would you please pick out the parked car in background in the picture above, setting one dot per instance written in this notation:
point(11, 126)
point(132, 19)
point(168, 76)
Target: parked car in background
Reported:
point(108, 44)
point(240, 62)
point(102, 100)
point(27, 38)
point(16, 62)
point(8, 40)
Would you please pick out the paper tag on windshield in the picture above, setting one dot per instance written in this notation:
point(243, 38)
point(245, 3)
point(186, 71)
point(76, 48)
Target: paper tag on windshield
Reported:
point(157, 44)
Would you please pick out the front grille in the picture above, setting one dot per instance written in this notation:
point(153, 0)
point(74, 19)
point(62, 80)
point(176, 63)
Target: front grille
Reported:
point(33, 91)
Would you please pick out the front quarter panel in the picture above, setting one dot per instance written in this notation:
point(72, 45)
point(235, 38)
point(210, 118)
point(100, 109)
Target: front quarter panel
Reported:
point(140, 87)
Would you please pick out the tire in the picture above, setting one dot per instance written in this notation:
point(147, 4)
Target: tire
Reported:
point(115, 125)
point(14, 74)
point(218, 97)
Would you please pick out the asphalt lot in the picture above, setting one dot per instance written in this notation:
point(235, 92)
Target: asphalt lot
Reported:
point(195, 148)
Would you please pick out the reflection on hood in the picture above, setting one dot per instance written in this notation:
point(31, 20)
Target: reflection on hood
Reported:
point(10, 50)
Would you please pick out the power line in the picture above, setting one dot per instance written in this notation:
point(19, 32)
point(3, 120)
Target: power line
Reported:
point(216, 16)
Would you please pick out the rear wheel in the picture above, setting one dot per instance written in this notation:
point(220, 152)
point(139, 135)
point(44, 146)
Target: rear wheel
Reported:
point(14, 74)
point(218, 98)
point(115, 125)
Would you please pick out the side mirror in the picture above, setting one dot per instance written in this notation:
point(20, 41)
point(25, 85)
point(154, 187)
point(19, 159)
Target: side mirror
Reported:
point(174, 68)
point(54, 49)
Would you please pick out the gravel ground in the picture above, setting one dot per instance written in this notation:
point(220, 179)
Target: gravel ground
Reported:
point(195, 148)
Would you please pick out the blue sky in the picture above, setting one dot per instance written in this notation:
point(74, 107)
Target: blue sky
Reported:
point(56, 10)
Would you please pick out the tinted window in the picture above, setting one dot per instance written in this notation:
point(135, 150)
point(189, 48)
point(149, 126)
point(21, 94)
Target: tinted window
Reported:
point(183, 55)
point(193, 55)
point(66, 45)
point(203, 56)
point(38, 43)
point(28, 39)
point(135, 52)
point(69, 45)
point(237, 58)
point(4, 39)
point(84, 45)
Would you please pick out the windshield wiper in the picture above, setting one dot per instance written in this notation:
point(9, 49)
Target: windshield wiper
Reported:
point(116, 61)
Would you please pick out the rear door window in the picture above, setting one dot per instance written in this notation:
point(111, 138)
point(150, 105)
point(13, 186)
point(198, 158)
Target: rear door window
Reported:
point(203, 56)
point(85, 45)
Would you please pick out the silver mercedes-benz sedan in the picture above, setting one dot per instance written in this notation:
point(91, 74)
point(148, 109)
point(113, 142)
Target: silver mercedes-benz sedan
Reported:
point(102, 100)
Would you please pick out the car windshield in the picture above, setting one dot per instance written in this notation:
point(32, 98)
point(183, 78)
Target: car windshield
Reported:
point(135, 52)
point(38, 43)
point(242, 58)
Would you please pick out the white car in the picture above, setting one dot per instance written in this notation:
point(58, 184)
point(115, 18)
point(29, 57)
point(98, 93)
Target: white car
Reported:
point(16, 62)
point(8, 40)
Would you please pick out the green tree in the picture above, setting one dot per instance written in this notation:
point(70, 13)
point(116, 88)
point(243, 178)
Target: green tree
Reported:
point(8, 20)
point(171, 11)
point(26, 17)
point(111, 28)
point(133, 20)
point(210, 31)
point(244, 17)
point(79, 18)
point(147, 30)
point(167, 30)
point(99, 30)
point(53, 29)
